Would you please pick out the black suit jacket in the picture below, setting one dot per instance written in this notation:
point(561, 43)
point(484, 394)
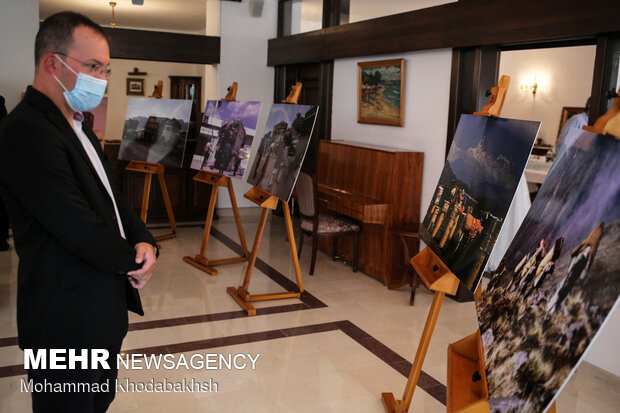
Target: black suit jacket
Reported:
point(72, 290)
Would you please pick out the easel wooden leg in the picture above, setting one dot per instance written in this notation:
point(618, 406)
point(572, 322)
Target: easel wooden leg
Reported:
point(235, 208)
point(257, 239)
point(291, 241)
point(241, 294)
point(199, 261)
point(208, 221)
point(164, 192)
point(150, 169)
point(393, 406)
point(145, 197)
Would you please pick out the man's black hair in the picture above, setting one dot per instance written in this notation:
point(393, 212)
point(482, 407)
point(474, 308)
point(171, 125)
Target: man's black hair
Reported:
point(56, 33)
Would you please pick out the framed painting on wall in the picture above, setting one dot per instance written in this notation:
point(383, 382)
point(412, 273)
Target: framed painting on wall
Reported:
point(135, 87)
point(380, 90)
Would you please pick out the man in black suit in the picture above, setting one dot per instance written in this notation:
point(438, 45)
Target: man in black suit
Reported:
point(82, 250)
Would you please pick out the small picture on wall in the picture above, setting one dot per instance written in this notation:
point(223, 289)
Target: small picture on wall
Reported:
point(135, 87)
point(380, 89)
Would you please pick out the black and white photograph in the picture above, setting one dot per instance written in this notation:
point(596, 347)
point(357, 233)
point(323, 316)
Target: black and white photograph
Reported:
point(155, 131)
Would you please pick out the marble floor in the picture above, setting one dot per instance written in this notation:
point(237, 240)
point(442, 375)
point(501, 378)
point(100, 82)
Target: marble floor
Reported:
point(347, 340)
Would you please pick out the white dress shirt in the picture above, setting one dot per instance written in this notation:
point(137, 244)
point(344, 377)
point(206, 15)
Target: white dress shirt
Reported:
point(96, 162)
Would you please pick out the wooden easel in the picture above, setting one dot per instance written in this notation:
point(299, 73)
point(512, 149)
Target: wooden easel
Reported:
point(496, 99)
point(199, 260)
point(467, 390)
point(232, 91)
point(438, 278)
point(609, 122)
point(150, 169)
point(268, 201)
point(293, 96)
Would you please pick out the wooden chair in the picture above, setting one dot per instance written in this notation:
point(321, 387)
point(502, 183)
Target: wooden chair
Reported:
point(320, 225)
point(408, 230)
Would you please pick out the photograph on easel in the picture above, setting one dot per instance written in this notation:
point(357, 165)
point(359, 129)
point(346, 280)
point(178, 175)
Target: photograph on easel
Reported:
point(475, 190)
point(558, 281)
point(226, 134)
point(155, 131)
point(281, 151)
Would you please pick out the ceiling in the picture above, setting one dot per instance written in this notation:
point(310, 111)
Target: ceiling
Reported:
point(186, 16)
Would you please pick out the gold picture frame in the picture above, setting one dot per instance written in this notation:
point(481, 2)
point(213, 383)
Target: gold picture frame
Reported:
point(135, 87)
point(381, 92)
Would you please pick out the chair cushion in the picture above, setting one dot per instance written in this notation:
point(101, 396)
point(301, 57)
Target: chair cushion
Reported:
point(331, 223)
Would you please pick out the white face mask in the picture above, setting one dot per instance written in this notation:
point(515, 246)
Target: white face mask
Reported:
point(87, 93)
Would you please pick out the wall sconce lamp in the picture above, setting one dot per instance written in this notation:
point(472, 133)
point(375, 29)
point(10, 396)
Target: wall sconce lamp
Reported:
point(530, 86)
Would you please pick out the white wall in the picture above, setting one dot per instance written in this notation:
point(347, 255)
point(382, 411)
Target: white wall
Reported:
point(427, 94)
point(306, 15)
point(604, 350)
point(117, 88)
point(243, 59)
point(210, 76)
point(19, 22)
point(564, 77)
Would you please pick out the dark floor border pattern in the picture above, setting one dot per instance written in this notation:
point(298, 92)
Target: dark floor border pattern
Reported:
point(308, 301)
point(427, 383)
point(393, 359)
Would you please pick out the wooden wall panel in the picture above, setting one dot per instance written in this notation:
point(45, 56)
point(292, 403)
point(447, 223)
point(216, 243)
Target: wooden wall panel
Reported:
point(463, 24)
point(163, 46)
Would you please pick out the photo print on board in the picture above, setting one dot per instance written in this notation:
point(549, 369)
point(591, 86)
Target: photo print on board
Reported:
point(226, 135)
point(475, 190)
point(155, 131)
point(282, 149)
point(558, 281)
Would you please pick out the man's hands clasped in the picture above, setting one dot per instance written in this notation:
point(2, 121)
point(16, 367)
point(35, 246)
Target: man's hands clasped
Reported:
point(145, 255)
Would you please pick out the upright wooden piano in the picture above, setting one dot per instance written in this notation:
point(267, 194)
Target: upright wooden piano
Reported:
point(377, 186)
